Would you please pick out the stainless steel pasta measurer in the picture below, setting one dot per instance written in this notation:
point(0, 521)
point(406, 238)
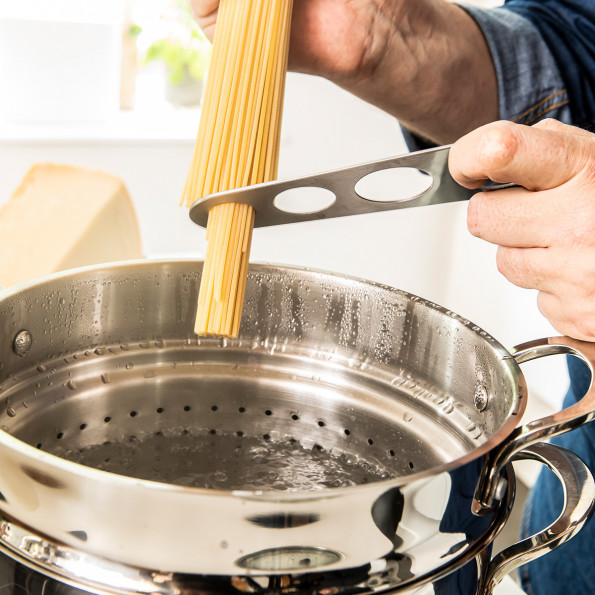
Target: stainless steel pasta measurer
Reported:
point(342, 184)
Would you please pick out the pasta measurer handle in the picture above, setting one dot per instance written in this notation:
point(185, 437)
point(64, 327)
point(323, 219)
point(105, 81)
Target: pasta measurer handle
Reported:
point(341, 183)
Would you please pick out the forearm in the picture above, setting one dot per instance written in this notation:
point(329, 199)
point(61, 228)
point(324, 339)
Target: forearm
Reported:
point(443, 70)
point(530, 84)
point(433, 72)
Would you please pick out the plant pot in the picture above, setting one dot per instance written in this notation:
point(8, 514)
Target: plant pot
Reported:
point(187, 93)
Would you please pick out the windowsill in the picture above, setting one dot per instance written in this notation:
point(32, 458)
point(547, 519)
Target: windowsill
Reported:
point(152, 119)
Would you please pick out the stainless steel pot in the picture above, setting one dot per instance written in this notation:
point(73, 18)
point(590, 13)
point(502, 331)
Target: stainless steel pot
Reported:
point(419, 398)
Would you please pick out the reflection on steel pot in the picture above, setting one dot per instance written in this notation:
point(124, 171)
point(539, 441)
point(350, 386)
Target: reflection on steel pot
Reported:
point(353, 433)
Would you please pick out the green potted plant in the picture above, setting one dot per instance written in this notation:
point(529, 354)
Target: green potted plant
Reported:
point(185, 53)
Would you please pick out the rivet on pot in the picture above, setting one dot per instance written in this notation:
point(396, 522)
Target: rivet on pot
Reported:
point(22, 343)
point(481, 397)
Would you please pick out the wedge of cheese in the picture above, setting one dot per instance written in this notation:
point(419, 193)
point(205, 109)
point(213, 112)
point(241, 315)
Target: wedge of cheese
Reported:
point(62, 217)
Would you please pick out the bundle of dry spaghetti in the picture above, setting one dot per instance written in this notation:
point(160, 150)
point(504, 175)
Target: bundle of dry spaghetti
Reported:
point(237, 145)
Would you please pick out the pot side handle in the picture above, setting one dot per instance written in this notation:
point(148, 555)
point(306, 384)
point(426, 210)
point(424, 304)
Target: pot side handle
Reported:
point(579, 500)
point(541, 429)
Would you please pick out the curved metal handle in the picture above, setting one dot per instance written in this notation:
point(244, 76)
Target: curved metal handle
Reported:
point(579, 494)
point(535, 431)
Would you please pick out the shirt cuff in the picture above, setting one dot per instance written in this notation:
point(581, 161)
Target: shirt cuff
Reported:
point(530, 86)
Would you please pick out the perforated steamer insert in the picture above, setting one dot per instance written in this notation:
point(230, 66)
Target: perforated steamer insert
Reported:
point(200, 415)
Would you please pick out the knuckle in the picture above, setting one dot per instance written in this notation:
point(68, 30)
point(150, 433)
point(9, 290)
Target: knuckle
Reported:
point(582, 313)
point(586, 328)
point(548, 306)
point(503, 261)
point(551, 124)
point(588, 165)
point(568, 314)
point(499, 144)
point(579, 230)
point(580, 325)
point(512, 264)
point(543, 301)
point(475, 218)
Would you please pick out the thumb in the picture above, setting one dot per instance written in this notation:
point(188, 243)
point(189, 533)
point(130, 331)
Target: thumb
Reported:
point(538, 157)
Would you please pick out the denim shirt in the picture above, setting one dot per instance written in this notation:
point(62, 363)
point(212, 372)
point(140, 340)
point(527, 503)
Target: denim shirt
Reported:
point(544, 55)
point(530, 86)
point(568, 29)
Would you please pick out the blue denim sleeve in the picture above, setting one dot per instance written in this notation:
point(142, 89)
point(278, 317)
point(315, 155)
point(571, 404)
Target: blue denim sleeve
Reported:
point(568, 29)
point(530, 86)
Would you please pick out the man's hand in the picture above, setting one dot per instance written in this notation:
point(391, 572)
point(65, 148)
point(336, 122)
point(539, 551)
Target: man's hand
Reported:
point(423, 61)
point(546, 229)
point(328, 37)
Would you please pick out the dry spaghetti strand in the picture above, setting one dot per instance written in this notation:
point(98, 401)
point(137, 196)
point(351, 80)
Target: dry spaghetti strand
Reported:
point(237, 144)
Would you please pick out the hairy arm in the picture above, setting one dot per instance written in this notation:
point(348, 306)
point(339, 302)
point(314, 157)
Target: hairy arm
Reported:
point(424, 61)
